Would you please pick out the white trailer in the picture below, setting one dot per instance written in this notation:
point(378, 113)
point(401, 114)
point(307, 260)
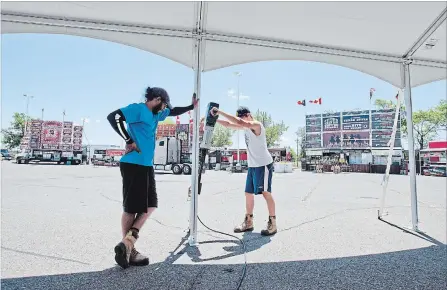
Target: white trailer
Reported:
point(168, 156)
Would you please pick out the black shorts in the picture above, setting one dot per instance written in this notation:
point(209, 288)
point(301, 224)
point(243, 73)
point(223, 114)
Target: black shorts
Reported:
point(139, 191)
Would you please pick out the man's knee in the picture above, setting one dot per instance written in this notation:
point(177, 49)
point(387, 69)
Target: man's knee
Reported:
point(267, 195)
point(142, 215)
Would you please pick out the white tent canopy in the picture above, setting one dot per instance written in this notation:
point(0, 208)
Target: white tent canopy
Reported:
point(402, 43)
point(372, 37)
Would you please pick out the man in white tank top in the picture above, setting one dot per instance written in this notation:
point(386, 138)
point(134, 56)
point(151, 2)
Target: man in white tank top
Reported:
point(260, 167)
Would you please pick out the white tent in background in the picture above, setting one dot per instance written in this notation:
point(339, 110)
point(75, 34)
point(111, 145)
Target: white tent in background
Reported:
point(389, 40)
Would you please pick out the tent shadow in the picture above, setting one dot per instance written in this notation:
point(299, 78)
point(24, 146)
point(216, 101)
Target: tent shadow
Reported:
point(422, 268)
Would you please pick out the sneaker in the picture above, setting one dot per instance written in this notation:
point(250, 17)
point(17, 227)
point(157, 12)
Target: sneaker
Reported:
point(124, 249)
point(137, 259)
point(271, 227)
point(246, 226)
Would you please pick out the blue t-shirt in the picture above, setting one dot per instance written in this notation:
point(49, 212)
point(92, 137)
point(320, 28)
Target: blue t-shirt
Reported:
point(142, 127)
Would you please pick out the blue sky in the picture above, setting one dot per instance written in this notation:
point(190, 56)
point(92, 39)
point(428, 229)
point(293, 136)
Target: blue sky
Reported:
point(90, 78)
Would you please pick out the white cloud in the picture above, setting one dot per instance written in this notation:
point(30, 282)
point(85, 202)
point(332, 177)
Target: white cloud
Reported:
point(232, 94)
point(287, 141)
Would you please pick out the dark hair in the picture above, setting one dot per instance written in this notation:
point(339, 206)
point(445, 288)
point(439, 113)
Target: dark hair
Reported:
point(242, 111)
point(149, 94)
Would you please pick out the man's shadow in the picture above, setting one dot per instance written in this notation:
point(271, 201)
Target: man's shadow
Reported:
point(249, 242)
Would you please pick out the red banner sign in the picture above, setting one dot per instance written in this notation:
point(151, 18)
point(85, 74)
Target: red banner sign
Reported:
point(115, 152)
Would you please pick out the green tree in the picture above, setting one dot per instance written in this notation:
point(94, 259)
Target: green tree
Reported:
point(382, 104)
point(221, 136)
point(273, 130)
point(293, 154)
point(301, 138)
point(441, 113)
point(427, 124)
point(167, 121)
point(12, 136)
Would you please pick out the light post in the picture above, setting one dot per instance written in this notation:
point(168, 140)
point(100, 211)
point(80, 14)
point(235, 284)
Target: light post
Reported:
point(84, 121)
point(238, 75)
point(27, 97)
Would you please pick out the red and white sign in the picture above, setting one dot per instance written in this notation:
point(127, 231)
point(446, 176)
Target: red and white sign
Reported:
point(51, 132)
point(115, 152)
point(437, 144)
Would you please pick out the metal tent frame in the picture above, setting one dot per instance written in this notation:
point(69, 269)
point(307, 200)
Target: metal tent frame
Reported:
point(41, 17)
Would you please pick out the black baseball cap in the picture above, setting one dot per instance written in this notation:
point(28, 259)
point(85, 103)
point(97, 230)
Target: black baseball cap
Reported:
point(163, 94)
point(242, 111)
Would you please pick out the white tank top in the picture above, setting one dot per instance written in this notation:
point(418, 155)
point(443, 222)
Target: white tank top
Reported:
point(258, 154)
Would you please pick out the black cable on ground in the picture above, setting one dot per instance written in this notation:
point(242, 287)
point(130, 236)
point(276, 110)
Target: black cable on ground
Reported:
point(244, 270)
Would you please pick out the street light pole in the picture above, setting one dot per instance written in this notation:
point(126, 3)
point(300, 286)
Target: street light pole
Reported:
point(27, 97)
point(238, 75)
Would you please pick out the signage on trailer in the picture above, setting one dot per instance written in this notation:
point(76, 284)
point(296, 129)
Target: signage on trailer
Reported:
point(51, 135)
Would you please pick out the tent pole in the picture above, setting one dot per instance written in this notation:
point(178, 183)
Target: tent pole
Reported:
point(193, 218)
point(411, 150)
point(195, 148)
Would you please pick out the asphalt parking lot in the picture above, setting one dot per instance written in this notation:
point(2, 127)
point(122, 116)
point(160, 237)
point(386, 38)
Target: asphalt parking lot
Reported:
point(61, 223)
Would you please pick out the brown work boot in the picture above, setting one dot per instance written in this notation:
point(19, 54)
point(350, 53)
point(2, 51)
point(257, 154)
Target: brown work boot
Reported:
point(271, 227)
point(124, 248)
point(137, 259)
point(246, 226)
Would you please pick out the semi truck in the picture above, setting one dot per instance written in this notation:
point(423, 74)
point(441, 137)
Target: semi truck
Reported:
point(173, 148)
point(169, 157)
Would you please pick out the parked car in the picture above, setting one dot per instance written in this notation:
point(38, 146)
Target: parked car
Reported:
point(5, 154)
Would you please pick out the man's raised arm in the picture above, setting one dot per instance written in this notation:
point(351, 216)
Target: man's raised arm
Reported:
point(238, 121)
point(229, 125)
point(177, 111)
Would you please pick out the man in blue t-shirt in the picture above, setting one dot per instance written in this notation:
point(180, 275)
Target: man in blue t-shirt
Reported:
point(137, 171)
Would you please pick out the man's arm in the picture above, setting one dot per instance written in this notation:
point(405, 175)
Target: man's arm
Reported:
point(225, 124)
point(254, 125)
point(116, 120)
point(181, 110)
point(229, 125)
point(177, 111)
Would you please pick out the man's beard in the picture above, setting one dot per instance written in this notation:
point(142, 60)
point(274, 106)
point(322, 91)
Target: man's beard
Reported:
point(157, 108)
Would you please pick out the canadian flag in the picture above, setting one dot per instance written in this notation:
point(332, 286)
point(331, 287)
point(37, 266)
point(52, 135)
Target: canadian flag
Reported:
point(301, 103)
point(317, 101)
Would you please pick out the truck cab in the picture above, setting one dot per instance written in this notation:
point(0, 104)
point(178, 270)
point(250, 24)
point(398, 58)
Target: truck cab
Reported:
point(168, 156)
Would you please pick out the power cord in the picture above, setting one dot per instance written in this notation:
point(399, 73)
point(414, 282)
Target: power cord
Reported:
point(244, 270)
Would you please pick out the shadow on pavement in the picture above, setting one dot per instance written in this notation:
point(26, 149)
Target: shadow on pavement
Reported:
point(423, 268)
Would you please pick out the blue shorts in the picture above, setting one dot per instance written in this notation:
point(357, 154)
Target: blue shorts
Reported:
point(259, 179)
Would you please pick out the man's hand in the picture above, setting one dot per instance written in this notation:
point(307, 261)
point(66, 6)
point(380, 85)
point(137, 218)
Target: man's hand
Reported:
point(132, 147)
point(214, 111)
point(194, 100)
